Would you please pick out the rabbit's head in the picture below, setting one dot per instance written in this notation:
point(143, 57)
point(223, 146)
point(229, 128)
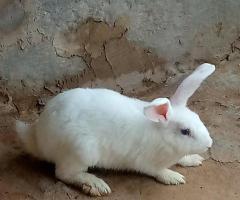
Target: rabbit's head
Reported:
point(179, 126)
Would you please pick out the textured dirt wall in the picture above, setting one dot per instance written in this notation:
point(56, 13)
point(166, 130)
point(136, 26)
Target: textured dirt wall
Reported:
point(47, 46)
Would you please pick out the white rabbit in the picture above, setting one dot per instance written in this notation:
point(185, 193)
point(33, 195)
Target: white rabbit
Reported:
point(83, 128)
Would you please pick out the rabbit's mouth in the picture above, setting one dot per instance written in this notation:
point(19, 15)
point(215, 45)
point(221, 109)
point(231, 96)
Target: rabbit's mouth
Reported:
point(205, 149)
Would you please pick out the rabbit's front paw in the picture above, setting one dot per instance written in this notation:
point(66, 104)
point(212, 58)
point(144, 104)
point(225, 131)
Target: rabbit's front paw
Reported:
point(191, 160)
point(170, 177)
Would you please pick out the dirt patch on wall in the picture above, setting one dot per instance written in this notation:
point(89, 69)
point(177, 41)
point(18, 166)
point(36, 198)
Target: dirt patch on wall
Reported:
point(111, 60)
point(107, 52)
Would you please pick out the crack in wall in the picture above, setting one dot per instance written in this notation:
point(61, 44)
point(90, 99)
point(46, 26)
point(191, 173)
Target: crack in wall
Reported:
point(89, 41)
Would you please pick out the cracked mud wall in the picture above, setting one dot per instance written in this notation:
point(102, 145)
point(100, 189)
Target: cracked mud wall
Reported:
point(47, 46)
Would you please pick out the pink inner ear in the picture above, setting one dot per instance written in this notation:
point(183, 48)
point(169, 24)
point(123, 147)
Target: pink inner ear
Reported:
point(162, 110)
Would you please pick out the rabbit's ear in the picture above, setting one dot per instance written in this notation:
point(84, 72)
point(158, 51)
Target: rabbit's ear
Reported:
point(191, 84)
point(158, 110)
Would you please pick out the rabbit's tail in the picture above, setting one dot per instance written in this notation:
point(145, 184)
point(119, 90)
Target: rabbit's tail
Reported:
point(26, 134)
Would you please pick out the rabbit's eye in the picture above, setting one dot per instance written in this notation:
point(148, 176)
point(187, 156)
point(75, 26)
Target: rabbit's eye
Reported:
point(186, 131)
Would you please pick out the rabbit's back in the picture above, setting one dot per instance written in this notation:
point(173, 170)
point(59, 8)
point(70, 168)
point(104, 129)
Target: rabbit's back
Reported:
point(87, 121)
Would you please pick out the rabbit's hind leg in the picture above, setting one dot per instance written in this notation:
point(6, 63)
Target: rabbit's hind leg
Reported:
point(75, 173)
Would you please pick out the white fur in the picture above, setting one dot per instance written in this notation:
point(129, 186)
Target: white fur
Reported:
point(191, 160)
point(191, 83)
point(81, 128)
